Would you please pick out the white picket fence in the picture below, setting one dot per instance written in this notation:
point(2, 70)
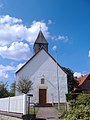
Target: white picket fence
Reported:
point(16, 104)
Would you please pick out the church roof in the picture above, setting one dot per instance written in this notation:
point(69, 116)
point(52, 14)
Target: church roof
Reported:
point(49, 55)
point(41, 38)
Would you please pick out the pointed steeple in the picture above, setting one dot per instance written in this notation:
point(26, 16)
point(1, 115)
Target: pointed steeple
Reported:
point(40, 42)
point(41, 38)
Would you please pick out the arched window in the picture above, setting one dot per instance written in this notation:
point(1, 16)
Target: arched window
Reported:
point(42, 81)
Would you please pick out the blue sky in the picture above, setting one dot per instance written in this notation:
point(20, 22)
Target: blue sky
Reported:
point(65, 24)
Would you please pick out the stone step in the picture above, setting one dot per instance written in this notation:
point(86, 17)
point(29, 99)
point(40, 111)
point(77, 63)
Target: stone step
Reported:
point(44, 105)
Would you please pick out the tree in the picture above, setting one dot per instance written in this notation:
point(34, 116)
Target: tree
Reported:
point(12, 89)
point(72, 83)
point(24, 85)
point(4, 90)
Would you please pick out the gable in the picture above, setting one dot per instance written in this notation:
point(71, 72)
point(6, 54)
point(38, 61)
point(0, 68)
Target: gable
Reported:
point(40, 58)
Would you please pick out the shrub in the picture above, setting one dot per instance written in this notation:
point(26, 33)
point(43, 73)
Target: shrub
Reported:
point(81, 105)
point(71, 96)
point(82, 112)
point(83, 99)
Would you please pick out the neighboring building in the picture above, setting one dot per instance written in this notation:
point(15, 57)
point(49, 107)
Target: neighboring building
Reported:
point(44, 72)
point(84, 84)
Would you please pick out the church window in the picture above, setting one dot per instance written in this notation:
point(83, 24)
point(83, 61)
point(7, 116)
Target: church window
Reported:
point(42, 81)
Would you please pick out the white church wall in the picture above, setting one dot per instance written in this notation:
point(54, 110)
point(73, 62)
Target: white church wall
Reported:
point(43, 66)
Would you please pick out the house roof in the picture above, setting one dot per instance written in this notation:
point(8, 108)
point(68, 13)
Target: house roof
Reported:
point(36, 55)
point(82, 79)
point(40, 38)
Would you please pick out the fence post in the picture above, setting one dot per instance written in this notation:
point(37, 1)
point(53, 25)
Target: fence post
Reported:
point(24, 104)
point(9, 104)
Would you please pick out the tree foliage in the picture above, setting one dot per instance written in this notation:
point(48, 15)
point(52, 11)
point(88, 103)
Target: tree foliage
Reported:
point(12, 89)
point(72, 83)
point(24, 85)
point(4, 90)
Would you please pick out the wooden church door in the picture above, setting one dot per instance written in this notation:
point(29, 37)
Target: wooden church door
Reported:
point(42, 96)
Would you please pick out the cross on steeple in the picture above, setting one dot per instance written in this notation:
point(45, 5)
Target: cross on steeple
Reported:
point(40, 27)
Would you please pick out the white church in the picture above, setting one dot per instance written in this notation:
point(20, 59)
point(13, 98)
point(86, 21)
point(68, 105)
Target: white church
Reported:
point(48, 77)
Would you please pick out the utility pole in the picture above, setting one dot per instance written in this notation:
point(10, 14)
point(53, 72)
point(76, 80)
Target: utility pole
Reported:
point(58, 87)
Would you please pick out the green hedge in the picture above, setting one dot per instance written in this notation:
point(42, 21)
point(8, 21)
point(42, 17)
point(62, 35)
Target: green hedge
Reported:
point(72, 96)
point(82, 112)
point(80, 107)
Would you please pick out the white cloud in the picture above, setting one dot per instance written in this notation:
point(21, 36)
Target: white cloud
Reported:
point(77, 74)
point(34, 29)
point(13, 35)
point(13, 30)
point(54, 47)
point(9, 20)
point(49, 22)
point(4, 71)
point(89, 54)
point(16, 51)
point(60, 37)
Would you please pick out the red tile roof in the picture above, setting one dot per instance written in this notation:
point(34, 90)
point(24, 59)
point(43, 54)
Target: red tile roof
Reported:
point(82, 79)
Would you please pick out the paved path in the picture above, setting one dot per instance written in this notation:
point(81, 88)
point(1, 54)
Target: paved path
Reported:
point(3, 117)
point(49, 113)
point(10, 116)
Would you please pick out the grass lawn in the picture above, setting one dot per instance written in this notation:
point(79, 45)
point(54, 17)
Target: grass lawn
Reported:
point(33, 110)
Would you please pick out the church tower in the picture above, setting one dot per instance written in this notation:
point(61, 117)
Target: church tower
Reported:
point(40, 42)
